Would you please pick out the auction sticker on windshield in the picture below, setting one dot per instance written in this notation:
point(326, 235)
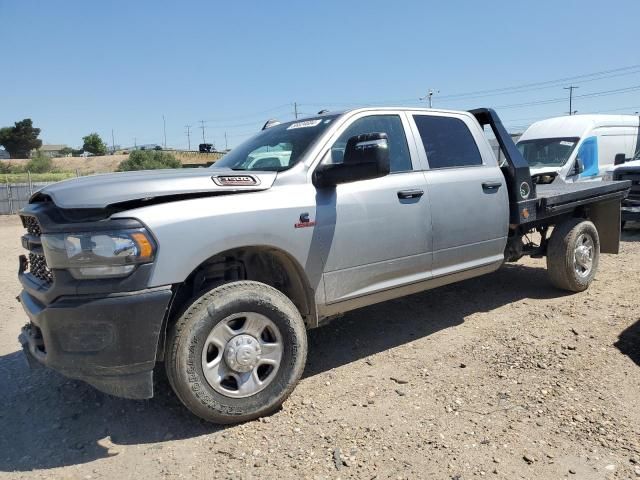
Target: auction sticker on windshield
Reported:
point(566, 144)
point(306, 123)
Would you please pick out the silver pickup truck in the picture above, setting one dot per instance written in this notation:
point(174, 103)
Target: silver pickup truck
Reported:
point(217, 273)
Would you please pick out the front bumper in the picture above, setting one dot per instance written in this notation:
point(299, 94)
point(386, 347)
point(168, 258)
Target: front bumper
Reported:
point(108, 341)
point(630, 211)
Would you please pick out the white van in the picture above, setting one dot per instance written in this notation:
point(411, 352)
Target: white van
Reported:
point(580, 147)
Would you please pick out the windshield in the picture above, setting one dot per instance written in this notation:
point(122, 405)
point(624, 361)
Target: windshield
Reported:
point(547, 152)
point(277, 148)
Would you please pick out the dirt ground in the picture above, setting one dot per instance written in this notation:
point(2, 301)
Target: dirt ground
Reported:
point(499, 377)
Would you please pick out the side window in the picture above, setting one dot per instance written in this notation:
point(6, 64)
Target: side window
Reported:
point(447, 141)
point(391, 125)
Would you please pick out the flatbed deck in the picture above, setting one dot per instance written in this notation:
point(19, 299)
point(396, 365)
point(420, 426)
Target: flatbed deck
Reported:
point(556, 198)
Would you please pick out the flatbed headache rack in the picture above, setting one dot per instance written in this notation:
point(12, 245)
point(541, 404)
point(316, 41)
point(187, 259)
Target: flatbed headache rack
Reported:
point(532, 205)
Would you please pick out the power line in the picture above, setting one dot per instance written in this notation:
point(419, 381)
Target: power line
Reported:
point(584, 78)
point(586, 95)
point(250, 115)
point(550, 83)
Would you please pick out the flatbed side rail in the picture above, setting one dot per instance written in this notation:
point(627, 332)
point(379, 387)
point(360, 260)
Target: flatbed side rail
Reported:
point(555, 208)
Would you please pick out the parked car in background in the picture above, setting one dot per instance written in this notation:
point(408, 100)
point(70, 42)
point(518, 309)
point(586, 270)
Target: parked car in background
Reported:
point(206, 147)
point(579, 147)
point(629, 170)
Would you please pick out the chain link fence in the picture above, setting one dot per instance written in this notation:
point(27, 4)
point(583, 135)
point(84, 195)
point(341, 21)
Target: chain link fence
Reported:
point(14, 196)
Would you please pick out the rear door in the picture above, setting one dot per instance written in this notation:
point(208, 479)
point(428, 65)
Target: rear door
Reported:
point(467, 192)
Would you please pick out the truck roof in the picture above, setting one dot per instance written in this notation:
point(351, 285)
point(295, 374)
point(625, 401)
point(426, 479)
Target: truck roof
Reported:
point(408, 109)
point(577, 125)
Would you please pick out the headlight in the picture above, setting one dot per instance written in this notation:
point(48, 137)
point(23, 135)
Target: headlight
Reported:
point(99, 254)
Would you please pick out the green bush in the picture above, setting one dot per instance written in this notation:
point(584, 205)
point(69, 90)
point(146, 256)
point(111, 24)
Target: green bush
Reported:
point(35, 177)
point(39, 163)
point(148, 160)
point(17, 168)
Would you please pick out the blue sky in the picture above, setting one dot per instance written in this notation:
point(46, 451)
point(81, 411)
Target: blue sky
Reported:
point(80, 66)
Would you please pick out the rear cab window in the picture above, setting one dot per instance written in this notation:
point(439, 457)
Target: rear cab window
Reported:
point(447, 141)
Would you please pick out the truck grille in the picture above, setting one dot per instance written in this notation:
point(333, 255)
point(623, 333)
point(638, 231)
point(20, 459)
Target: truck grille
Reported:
point(634, 193)
point(37, 263)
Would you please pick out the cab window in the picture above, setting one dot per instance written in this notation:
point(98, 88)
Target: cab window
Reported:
point(447, 142)
point(399, 156)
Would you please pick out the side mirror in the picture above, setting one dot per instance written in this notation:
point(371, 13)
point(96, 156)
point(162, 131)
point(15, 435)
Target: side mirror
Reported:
point(620, 159)
point(365, 156)
point(578, 167)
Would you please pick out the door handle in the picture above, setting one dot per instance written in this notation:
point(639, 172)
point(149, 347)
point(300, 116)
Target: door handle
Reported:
point(491, 185)
point(404, 194)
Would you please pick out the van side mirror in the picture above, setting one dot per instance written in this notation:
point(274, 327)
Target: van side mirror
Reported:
point(620, 159)
point(578, 167)
point(365, 156)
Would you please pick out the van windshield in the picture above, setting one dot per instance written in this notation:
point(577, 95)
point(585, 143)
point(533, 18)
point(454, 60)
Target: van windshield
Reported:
point(547, 152)
point(277, 148)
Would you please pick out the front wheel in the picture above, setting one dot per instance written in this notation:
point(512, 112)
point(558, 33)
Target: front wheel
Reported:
point(237, 352)
point(573, 254)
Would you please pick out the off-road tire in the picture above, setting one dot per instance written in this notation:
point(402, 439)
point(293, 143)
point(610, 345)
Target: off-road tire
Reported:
point(188, 334)
point(560, 254)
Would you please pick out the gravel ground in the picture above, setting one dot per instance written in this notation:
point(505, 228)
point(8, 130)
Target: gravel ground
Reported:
point(501, 376)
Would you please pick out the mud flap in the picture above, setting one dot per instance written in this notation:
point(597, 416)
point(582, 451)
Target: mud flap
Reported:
point(606, 217)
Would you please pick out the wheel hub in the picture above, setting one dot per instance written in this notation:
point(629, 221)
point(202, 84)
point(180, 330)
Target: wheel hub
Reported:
point(583, 256)
point(242, 353)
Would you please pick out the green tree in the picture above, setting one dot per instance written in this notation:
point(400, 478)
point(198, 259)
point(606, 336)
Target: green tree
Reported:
point(20, 139)
point(94, 144)
point(39, 163)
point(148, 160)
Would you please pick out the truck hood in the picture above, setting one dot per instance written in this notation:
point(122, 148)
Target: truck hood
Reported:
point(544, 170)
point(100, 191)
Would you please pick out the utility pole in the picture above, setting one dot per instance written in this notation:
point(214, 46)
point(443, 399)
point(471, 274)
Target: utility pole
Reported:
point(429, 96)
point(571, 88)
point(202, 127)
point(135, 143)
point(295, 109)
point(113, 143)
point(164, 129)
point(226, 146)
point(188, 127)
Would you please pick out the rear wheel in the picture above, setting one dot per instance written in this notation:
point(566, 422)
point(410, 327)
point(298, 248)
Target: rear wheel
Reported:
point(573, 254)
point(237, 352)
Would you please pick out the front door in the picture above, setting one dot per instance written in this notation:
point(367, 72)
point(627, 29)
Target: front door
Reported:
point(377, 231)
